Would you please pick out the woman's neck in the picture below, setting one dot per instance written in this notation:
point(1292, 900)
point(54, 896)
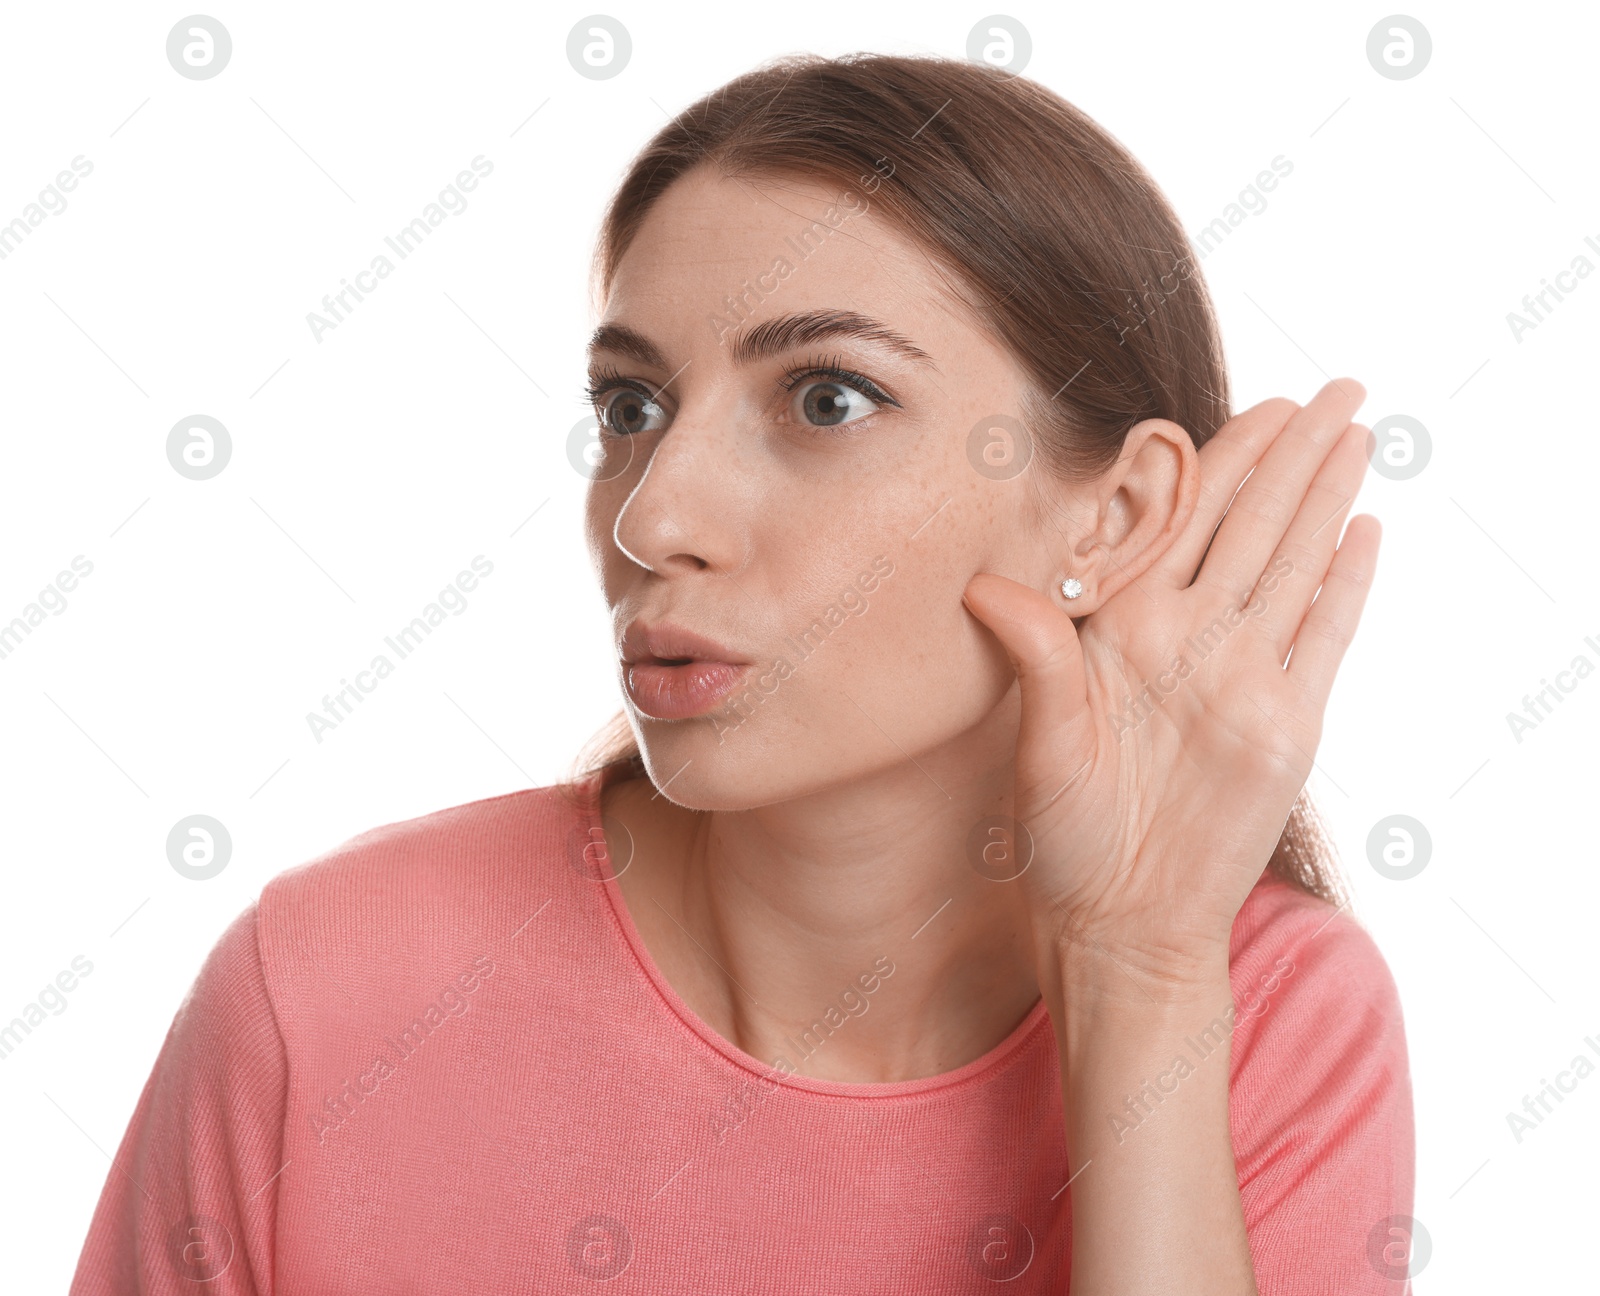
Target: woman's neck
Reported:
point(770, 921)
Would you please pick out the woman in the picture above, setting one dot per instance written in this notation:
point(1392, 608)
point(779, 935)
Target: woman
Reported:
point(947, 909)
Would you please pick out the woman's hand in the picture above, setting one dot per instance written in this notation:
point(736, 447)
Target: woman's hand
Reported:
point(1163, 742)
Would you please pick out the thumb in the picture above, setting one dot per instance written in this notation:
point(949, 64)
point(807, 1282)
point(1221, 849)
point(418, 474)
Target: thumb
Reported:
point(1057, 736)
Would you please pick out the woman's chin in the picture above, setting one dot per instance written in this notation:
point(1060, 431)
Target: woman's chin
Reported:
point(705, 775)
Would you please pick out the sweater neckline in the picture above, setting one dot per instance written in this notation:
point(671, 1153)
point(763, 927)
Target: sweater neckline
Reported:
point(980, 1070)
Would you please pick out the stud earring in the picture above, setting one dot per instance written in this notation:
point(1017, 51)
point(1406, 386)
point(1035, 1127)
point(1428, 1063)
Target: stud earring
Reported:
point(1071, 587)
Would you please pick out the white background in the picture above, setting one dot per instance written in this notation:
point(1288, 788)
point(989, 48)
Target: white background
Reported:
point(370, 467)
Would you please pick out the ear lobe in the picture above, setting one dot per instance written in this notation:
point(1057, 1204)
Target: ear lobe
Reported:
point(1083, 572)
point(1072, 589)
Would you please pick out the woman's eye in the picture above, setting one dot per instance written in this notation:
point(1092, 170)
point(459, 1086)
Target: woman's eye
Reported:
point(628, 412)
point(828, 403)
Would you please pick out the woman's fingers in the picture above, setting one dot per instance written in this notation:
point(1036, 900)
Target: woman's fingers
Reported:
point(1225, 461)
point(1302, 560)
point(1267, 503)
point(1056, 737)
point(1329, 627)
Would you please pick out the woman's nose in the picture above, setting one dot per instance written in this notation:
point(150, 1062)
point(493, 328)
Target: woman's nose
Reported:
point(685, 513)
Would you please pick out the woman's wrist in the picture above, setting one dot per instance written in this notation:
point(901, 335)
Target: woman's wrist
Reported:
point(1128, 976)
point(1129, 1037)
point(1103, 1028)
point(1108, 1013)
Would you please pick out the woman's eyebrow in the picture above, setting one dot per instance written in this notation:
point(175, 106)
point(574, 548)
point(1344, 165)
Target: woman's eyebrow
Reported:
point(771, 337)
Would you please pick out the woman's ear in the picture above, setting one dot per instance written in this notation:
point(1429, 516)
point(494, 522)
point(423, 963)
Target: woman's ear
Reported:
point(1114, 528)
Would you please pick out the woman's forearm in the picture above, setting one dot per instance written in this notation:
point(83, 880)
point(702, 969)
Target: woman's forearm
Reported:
point(1144, 1074)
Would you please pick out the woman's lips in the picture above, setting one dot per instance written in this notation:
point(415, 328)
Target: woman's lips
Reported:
point(666, 691)
point(671, 673)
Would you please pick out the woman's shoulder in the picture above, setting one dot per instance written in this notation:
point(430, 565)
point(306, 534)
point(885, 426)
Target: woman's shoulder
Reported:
point(1283, 929)
point(408, 901)
point(515, 832)
point(1317, 1029)
point(1320, 1099)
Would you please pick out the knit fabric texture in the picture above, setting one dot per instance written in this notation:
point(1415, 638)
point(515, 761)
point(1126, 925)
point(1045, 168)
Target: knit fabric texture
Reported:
point(439, 1059)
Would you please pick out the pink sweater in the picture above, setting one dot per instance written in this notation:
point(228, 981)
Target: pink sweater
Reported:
point(440, 1059)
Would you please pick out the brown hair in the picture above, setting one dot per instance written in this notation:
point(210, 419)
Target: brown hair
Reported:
point(1058, 241)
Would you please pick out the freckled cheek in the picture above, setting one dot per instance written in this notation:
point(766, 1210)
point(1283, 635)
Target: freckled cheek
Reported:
point(907, 638)
point(605, 561)
point(600, 505)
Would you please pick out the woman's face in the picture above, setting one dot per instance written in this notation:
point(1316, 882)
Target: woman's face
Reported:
point(818, 530)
